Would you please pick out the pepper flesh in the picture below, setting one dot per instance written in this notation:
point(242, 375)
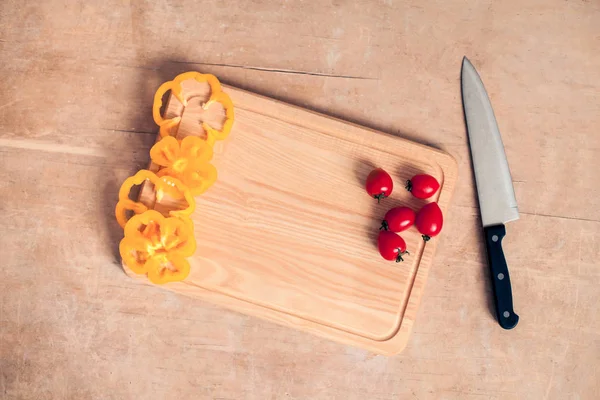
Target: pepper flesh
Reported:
point(162, 185)
point(225, 101)
point(216, 96)
point(169, 124)
point(158, 246)
point(187, 161)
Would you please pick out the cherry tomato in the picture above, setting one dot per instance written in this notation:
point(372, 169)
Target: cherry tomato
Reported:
point(379, 184)
point(422, 186)
point(398, 219)
point(391, 246)
point(429, 220)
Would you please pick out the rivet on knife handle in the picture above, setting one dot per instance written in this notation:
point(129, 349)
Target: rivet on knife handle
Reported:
point(507, 318)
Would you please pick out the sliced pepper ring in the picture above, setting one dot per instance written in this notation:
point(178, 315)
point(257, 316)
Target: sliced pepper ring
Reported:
point(186, 160)
point(176, 90)
point(216, 95)
point(162, 185)
point(156, 231)
point(157, 246)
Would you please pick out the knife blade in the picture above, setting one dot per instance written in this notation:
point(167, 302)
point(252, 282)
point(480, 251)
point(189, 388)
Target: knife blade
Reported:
point(495, 191)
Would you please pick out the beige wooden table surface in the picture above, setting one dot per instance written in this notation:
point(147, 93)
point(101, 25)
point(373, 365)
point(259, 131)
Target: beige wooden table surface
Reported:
point(76, 81)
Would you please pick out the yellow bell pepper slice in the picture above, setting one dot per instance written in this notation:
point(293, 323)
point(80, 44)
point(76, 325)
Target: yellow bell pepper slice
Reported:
point(158, 246)
point(167, 128)
point(187, 161)
point(216, 96)
point(162, 185)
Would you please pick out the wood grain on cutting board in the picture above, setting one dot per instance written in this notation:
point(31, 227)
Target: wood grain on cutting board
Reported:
point(75, 120)
point(288, 232)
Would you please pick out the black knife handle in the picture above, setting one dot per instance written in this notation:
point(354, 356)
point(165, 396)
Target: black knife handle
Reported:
point(499, 274)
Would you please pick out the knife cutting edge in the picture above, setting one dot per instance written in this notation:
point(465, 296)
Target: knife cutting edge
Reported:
point(495, 191)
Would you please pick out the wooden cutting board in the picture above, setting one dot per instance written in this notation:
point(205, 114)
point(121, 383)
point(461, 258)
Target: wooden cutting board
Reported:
point(288, 232)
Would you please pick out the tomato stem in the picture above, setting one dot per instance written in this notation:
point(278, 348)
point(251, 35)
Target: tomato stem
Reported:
point(379, 197)
point(384, 226)
point(426, 237)
point(408, 185)
point(400, 254)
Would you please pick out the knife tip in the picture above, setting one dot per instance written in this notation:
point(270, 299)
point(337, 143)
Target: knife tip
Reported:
point(465, 67)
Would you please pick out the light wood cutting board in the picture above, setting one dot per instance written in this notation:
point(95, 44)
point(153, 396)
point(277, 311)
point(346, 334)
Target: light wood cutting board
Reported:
point(288, 232)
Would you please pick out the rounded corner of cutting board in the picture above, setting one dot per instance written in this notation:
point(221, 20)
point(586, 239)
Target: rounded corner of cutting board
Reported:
point(449, 161)
point(448, 168)
point(394, 346)
point(390, 347)
point(450, 164)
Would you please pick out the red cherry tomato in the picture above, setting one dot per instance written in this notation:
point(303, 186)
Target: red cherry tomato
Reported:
point(391, 246)
point(429, 220)
point(398, 219)
point(379, 184)
point(422, 186)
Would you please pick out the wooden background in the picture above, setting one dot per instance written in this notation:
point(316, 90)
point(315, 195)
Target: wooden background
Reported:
point(77, 78)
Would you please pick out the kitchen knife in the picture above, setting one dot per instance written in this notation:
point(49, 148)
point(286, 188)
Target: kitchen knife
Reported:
point(497, 200)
